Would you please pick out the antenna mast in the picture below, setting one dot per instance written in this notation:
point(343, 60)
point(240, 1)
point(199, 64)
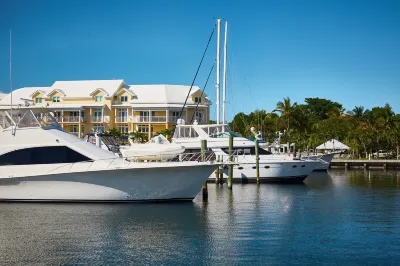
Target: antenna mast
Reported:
point(218, 68)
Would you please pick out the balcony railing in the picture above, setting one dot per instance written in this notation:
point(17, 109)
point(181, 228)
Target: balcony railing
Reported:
point(158, 119)
point(120, 119)
point(71, 119)
point(141, 119)
point(153, 119)
point(74, 133)
point(96, 119)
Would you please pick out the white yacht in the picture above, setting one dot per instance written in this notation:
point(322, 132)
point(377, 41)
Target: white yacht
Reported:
point(41, 162)
point(273, 168)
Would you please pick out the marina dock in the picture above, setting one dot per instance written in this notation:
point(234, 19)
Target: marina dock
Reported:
point(365, 164)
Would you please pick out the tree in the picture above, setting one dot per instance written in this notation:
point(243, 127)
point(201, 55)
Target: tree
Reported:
point(286, 110)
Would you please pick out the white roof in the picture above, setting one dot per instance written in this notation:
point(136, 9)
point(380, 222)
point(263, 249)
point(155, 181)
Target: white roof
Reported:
point(19, 94)
point(333, 144)
point(2, 95)
point(165, 94)
point(83, 88)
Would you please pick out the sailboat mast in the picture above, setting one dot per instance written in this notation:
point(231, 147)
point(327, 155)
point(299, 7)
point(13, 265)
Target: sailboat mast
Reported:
point(11, 77)
point(224, 77)
point(218, 69)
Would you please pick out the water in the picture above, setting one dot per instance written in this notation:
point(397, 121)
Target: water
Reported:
point(337, 218)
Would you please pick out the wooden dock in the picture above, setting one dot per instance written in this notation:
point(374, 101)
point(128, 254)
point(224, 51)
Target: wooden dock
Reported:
point(365, 164)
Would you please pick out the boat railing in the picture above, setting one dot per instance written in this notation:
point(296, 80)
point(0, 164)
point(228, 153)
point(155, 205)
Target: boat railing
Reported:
point(125, 162)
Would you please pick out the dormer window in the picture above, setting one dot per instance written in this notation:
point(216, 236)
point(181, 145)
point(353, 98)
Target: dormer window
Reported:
point(124, 99)
point(56, 99)
point(99, 98)
point(38, 100)
point(197, 99)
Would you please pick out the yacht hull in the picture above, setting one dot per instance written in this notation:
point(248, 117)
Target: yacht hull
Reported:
point(324, 161)
point(135, 184)
point(272, 172)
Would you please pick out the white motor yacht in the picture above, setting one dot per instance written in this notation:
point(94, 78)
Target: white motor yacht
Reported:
point(41, 162)
point(272, 168)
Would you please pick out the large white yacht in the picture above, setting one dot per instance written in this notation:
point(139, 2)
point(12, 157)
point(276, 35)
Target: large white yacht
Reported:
point(41, 162)
point(272, 167)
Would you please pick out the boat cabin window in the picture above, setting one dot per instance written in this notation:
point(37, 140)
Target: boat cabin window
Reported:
point(247, 151)
point(185, 132)
point(42, 155)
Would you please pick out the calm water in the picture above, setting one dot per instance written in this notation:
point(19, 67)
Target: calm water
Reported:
point(341, 217)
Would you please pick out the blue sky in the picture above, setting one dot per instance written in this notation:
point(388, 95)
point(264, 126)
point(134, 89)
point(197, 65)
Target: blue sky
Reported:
point(346, 51)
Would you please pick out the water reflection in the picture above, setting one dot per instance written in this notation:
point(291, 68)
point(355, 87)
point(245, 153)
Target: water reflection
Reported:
point(374, 179)
point(340, 216)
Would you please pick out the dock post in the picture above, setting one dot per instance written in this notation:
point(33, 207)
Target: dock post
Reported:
point(346, 166)
point(217, 171)
point(257, 161)
point(294, 150)
point(230, 169)
point(221, 173)
point(384, 166)
point(365, 166)
point(203, 159)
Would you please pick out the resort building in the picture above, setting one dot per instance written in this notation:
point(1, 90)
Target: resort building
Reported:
point(99, 105)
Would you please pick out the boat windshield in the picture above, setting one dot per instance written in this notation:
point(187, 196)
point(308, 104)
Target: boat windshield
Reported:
point(185, 132)
point(21, 118)
point(219, 131)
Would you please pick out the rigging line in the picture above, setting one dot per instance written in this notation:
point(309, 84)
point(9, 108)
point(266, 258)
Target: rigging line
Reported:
point(202, 92)
point(197, 72)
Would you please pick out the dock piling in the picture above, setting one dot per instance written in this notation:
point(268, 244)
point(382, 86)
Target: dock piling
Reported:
point(230, 170)
point(257, 161)
point(203, 159)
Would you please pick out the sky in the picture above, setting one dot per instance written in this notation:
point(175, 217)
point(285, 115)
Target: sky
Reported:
point(345, 51)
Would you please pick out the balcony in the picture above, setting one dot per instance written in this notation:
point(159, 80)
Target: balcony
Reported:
point(151, 119)
point(121, 119)
point(96, 119)
point(71, 119)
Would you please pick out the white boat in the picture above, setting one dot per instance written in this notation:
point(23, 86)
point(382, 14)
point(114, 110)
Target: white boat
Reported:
point(41, 162)
point(157, 149)
point(323, 159)
point(272, 168)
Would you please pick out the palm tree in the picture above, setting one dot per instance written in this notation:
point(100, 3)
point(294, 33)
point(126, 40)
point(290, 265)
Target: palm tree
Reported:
point(286, 110)
point(358, 112)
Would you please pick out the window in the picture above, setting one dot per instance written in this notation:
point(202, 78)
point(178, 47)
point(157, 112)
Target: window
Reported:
point(144, 128)
point(73, 113)
point(98, 128)
point(73, 128)
point(56, 99)
point(197, 99)
point(38, 100)
point(198, 116)
point(99, 98)
point(123, 128)
point(175, 114)
point(122, 115)
point(144, 113)
point(124, 98)
point(42, 155)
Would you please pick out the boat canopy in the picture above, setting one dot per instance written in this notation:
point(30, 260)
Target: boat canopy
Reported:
point(195, 131)
point(21, 118)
